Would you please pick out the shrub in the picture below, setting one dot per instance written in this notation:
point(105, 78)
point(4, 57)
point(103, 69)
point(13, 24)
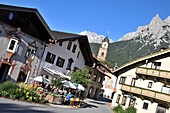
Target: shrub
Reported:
point(22, 98)
point(131, 109)
point(7, 86)
point(4, 93)
point(12, 96)
point(118, 108)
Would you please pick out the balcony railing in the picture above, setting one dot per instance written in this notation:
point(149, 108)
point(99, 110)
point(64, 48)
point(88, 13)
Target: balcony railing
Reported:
point(147, 93)
point(153, 72)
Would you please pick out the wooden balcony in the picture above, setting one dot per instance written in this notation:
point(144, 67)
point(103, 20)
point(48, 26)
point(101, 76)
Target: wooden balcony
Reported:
point(145, 93)
point(154, 74)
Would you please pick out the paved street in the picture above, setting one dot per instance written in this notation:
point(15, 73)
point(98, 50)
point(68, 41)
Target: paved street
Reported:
point(89, 106)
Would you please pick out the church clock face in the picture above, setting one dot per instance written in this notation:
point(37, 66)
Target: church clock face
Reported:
point(11, 16)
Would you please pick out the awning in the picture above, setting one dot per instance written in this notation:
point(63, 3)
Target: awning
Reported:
point(54, 72)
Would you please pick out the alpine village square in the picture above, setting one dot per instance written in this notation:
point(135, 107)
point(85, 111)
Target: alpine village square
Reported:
point(49, 71)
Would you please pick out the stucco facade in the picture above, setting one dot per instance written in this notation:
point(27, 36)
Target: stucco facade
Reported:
point(145, 84)
point(11, 64)
point(61, 51)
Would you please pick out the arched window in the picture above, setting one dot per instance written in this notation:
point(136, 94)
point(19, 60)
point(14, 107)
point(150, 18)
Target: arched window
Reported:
point(102, 54)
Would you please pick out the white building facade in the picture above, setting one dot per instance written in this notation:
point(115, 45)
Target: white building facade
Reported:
point(64, 57)
point(145, 84)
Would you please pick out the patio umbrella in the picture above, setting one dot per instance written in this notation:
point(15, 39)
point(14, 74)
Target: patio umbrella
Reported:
point(68, 84)
point(41, 79)
point(80, 87)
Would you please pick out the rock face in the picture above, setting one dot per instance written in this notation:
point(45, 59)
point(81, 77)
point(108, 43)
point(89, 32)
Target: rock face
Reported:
point(151, 34)
point(93, 37)
point(146, 40)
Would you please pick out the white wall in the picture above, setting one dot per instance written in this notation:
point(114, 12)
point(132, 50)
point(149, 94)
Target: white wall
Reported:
point(63, 52)
point(156, 86)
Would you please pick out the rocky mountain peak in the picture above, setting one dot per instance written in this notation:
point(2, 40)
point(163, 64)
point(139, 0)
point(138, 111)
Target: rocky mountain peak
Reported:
point(93, 37)
point(156, 20)
point(167, 20)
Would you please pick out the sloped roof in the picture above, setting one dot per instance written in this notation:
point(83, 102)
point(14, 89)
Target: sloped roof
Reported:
point(28, 19)
point(156, 55)
point(83, 41)
point(60, 35)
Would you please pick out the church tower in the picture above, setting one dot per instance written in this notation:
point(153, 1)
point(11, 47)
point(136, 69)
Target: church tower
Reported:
point(103, 49)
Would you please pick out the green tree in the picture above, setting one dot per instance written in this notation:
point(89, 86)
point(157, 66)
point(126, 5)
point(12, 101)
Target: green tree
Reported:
point(81, 76)
point(57, 83)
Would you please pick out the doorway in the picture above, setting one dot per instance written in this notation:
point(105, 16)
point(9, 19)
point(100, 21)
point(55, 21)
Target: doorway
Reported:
point(4, 71)
point(161, 109)
point(90, 92)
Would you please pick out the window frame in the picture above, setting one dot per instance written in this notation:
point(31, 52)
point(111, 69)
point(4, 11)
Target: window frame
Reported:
point(94, 78)
point(145, 106)
point(26, 79)
point(69, 45)
point(15, 45)
point(124, 99)
point(60, 63)
point(150, 84)
point(30, 52)
point(156, 65)
point(74, 48)
point(118, 98)
point(51, 59)
point(60, 43)
point(121, 81)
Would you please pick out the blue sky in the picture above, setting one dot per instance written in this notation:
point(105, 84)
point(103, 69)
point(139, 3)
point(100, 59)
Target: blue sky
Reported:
point(100, 16)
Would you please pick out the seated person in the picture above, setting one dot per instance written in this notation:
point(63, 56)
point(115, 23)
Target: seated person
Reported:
point(68, 97)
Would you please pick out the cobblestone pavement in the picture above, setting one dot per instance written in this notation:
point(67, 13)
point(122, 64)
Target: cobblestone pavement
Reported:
point(89, 106)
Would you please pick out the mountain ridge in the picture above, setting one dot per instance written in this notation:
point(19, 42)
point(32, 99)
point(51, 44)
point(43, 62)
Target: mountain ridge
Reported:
point(146, 40)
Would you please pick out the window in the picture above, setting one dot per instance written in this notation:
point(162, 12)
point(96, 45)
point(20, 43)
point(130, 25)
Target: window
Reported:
point(60, 62)
point(149, 84)
point(23, 75)
point(165, 89)
point(145, 106)
point(60, 43)
point(30, 52)
point(70, 61)
point(102, 54)
point(74, 48)
point(69, 45)
point(50, 57)
point(124, 100)
point(94, 77)
point(13, 45)
point(122, 80)
point(78, 54)
point(118, 98)
point(100, 79)
point(156, 65)
point(132, 102)
point(45, 76)
point(133, 82)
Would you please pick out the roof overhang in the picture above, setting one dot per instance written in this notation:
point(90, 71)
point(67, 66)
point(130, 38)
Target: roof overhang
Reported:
point(28, 19)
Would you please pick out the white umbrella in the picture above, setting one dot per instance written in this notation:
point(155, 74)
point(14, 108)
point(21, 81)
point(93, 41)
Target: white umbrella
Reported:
point(41, 79)
point(80, 87)
point(68, 84)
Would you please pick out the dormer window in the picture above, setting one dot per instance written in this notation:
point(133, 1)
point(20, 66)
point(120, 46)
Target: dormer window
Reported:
point(13, 45)
point(31, 52)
